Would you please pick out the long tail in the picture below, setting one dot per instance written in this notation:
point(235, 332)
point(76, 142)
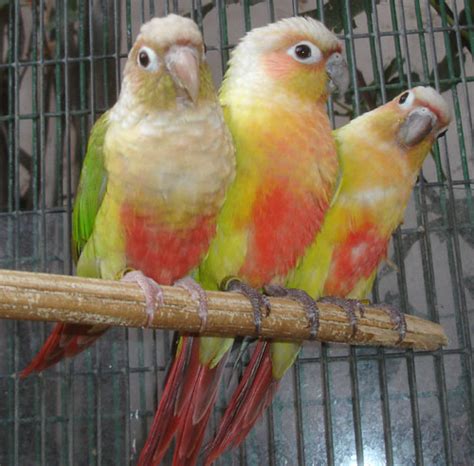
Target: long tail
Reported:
point(167, 416)
point(66, 340)
point(193, 425)
point(184, 408)
point(253, 395)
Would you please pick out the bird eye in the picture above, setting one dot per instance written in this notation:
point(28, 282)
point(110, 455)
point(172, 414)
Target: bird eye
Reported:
point(440, 135)
point(147, 59)
point(305, 52)
point(144, 59)
point(406, 99)
point(403, 97)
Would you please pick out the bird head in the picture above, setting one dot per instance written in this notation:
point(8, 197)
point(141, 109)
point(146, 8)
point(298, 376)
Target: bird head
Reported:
point(167, 64)
point(414, 120)
point(295, 56)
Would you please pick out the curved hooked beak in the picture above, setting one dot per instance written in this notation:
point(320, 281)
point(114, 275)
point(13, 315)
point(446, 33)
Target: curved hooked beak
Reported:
point(418, 125)
point(183, 64)
point(337, 70)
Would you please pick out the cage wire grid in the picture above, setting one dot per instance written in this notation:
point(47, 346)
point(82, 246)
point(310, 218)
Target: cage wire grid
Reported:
point(60, 69)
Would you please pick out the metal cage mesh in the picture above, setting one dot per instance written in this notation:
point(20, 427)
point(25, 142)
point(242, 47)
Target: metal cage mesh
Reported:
point(60, 69)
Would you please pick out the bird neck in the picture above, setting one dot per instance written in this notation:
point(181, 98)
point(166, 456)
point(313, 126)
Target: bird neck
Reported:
point(280, 134)
point(376, 176)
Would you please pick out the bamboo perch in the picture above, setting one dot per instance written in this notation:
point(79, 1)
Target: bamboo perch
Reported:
point(36, 296)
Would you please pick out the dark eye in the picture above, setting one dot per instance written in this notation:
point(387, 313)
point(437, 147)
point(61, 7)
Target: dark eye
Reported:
point(143, 59)
point(147, 59)
point(403, 97)
point(302, 51)
point(305, 52)
point(440, 135)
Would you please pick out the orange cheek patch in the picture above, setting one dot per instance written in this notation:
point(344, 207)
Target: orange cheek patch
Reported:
point(278, 64)
point(306, 78)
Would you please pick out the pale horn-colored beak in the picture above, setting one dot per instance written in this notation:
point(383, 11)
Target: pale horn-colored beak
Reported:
point(183, 64)
point(419, 123)
point(338, 72)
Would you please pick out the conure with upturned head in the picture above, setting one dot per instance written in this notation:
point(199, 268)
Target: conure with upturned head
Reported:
point(274, 99)
point(380, 155)
point(155, 175)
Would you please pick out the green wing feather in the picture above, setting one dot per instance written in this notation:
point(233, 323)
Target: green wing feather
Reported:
point(92, 186)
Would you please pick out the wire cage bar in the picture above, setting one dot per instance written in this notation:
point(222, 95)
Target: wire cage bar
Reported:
point(60, 69)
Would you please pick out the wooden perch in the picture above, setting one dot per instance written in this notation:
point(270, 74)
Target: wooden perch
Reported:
point(36, 296)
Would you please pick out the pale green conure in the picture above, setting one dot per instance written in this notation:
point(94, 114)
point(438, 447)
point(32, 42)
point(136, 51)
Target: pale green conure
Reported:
point(155, 175)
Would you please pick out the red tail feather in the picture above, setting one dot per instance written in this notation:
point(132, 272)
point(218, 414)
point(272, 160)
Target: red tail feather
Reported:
point(253, 395)
point(193, 425)
point(66, 340)
point(172, 402)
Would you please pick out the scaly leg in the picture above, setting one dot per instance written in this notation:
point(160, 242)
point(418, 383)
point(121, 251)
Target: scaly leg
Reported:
point(300, 296)
point(398, 319)
point(198, 294)
point(350, 306)
point(153, 292)
point(257, 299)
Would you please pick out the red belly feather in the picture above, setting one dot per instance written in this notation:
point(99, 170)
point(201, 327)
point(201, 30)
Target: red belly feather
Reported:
point(284, 225)
point(355, 259)
point(162, 252)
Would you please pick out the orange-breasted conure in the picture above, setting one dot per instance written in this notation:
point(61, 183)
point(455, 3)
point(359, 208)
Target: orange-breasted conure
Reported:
point(274, 99)
point(380, 155)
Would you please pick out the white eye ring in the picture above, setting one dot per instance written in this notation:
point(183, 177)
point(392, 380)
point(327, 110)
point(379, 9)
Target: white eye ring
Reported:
point(147, 59)
point(406, 101)
point(305, 52)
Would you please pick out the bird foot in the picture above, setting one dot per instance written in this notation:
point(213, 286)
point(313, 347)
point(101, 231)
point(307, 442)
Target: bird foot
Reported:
point(300, 296)
point(398, 319)
point(258, 300)
point(350, 306)
point(153, 292)
point(198, 294)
